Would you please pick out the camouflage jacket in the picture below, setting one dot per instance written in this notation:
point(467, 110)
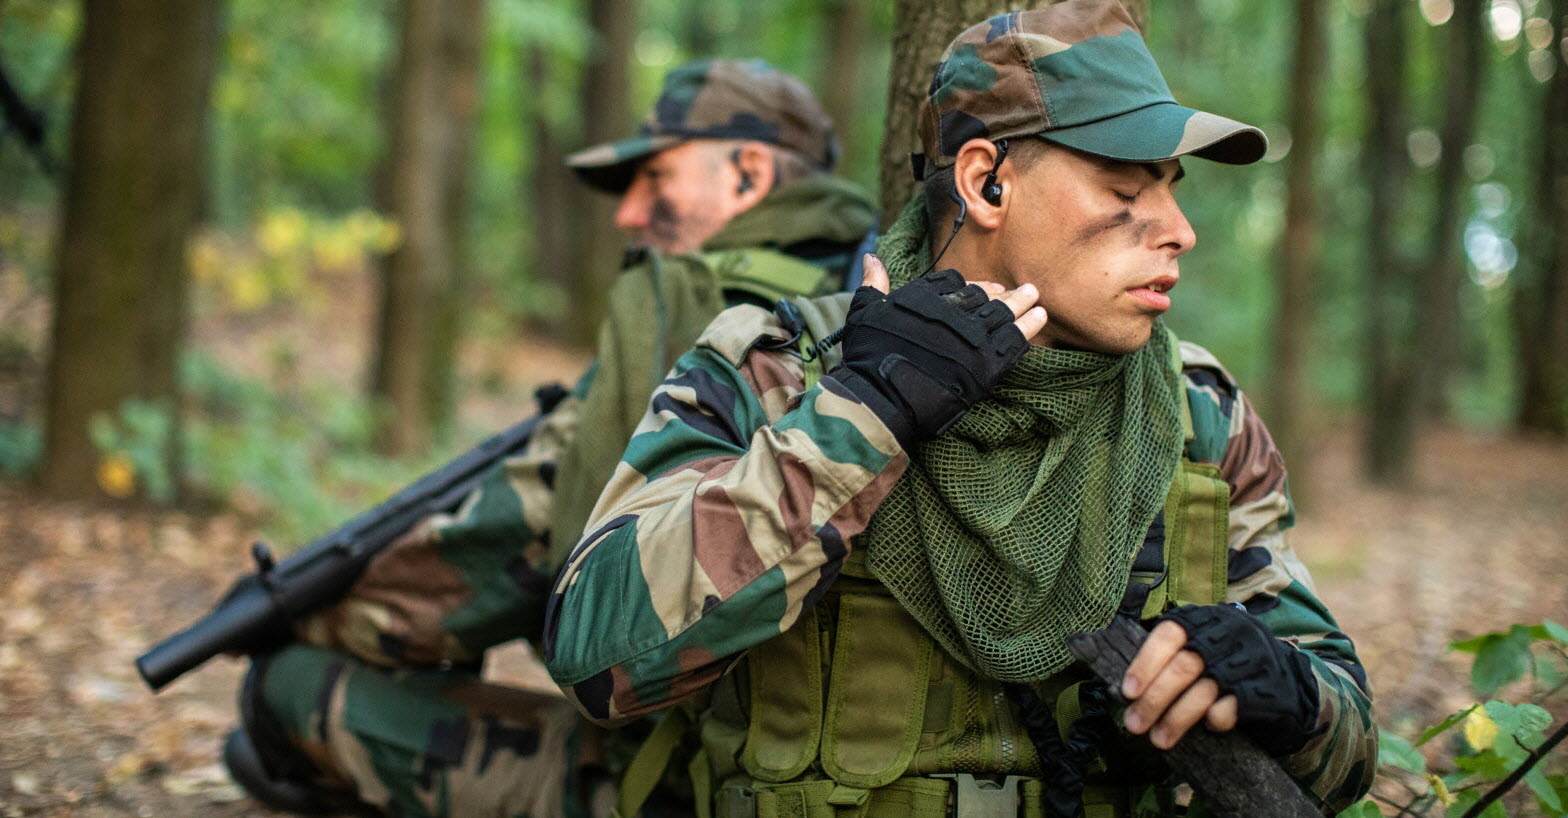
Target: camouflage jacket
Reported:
point(741, 495)
point(459, 583)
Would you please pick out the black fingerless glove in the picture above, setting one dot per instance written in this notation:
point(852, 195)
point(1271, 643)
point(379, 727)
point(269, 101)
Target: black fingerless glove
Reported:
point(1275, 689)
point(921, 355)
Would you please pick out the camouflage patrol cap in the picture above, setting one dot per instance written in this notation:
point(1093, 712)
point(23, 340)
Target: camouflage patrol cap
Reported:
point(1076, 73)
point(717, 99)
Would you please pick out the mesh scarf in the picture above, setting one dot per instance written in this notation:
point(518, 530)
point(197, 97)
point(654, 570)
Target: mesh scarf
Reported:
point(1019, 525)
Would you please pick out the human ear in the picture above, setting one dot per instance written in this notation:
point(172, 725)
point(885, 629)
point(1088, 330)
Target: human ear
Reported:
point(753, 164)
point(973, 169)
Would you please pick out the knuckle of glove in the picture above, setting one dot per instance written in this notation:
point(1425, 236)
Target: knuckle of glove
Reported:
point(1276, 693)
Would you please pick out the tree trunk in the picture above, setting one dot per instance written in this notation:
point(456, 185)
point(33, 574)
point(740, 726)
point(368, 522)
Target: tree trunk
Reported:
point(1541, 300)
point(605, 103)
point(1438, 320)
point(922, 30)
point(1294, 310)
point(842, 82)
point(1391, 417)
point(133, 196)
point(430, 110)
point(549, 186)
point(463, 27)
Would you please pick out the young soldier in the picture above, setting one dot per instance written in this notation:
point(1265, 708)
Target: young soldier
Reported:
point(853, 555)
point(725, 195)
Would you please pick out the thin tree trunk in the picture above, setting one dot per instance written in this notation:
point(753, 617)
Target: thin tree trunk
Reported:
point(605, 103)
point(1391, 417)
point(549, 187)
point(1541, 301)
point(843, 82)
point(1438, 323)
point(133, 196)
point(462, 49)
point(1295, 304)
point(921, 33)
point(419, 188)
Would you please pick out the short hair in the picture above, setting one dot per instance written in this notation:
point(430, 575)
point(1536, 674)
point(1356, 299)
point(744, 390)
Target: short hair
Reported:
point(791, 166)
point(939, 187)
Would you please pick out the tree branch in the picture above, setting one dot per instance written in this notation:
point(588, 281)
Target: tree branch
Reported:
point(1519, 772)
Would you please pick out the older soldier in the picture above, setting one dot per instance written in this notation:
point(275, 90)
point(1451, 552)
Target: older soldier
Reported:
point(726, 199)
point(850, 549)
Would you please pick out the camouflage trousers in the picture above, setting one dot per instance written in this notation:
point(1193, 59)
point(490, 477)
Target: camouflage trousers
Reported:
point(437, 743)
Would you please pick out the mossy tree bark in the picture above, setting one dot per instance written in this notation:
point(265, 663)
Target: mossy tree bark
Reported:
point(1390, 352)
point(1541, 298)
point(133, 195)
point(1443, 279)
point(433, 100)
point(606, 109)
point(1297, 290)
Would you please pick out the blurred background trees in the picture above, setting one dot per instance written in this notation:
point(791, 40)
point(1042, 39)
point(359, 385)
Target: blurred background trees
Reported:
point(373, 189)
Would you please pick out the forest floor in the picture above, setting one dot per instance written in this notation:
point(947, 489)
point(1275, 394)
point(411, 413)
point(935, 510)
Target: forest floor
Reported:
point(1476, 544)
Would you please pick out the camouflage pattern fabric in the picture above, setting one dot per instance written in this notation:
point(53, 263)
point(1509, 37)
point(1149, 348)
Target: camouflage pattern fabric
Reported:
point(741, 494)
point(422, 744)
point(717, 99)
point(1076, 73)
point(461, 583)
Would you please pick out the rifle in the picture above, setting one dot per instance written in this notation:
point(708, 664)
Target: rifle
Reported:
point(259, 608)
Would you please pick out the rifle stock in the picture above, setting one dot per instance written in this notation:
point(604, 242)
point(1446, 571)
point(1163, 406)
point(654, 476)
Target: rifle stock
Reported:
point(260, 606)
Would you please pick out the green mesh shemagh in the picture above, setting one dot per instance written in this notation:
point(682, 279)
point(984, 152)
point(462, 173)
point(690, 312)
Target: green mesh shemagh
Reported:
point(1019, 525)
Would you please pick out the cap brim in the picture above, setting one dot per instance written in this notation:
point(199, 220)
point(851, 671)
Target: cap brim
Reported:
point(609, 167)
point(1165, 131)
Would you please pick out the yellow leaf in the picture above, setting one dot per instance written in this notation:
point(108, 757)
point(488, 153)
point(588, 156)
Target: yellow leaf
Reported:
point(1440, 789)
point(116, 476)
point(282, 231)
point(1480, 730)
point(248, 289)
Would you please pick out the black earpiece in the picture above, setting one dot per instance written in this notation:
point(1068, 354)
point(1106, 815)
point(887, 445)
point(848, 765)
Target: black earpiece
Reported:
point(992, 191)
point(746, 184)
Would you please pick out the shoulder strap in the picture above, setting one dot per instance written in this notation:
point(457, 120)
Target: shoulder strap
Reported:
point(767, 275)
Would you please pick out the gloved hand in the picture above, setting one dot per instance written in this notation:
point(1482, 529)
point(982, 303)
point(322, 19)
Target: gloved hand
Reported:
point(921, 355)
point(1275, 689)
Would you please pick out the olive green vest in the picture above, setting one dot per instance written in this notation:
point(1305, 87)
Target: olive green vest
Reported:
point(855, 711)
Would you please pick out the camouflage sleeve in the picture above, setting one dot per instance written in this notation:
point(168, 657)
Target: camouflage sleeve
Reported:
point(459, 583)
point(1337, 765)
point(729, 515)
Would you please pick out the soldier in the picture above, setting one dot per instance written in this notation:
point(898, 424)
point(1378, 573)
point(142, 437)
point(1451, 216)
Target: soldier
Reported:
point(848, 551)
point(726, 198)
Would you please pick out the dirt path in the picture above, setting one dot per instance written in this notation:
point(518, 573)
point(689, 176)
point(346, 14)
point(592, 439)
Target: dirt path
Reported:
point(83, 589)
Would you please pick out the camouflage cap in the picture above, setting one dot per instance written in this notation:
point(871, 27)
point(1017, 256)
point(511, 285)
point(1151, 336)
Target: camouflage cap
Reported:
point(717, 99)
point(1076, 73)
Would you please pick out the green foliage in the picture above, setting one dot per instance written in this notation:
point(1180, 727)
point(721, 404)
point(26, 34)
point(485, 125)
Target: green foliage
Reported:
point(1495, 737)
point(301, 458)
point(20, 445)
point(134, 450)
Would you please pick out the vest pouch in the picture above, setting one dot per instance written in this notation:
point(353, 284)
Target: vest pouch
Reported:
point(1197, 546)
point(876, 692)
point(786, 702)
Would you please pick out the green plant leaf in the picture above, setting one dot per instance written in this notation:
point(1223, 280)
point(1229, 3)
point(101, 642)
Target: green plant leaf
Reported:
point(1536, 780)
point(1444, 725)
point(1468, 798)
point(1519, 720)
point(1475, 643)
point(1549, 631)
point(1488, 764)
point(1501, 660)
point(1394, 751)
point(1361, 809)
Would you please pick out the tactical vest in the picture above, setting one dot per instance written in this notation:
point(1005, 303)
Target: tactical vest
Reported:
point(856, 711)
